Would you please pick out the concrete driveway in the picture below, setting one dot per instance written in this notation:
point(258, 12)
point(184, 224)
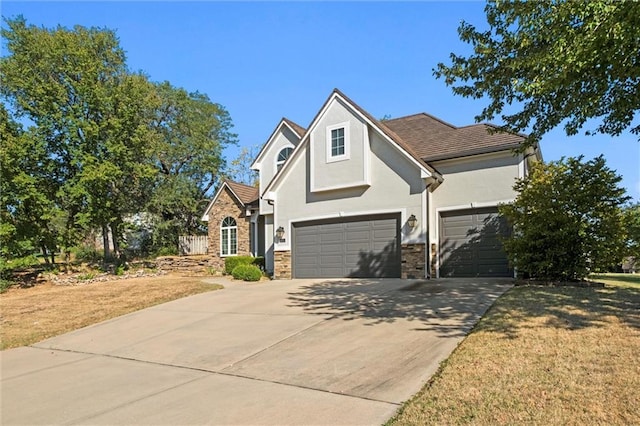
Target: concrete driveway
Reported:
point(283, 352)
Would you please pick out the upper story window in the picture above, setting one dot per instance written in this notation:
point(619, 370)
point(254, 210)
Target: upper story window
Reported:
point(338, 142)
point(228, 237)
point(282, 157)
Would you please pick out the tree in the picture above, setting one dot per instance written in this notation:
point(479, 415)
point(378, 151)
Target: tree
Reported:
point(240, 168)
point(27, 215)
point(191, 132)
point(564, 62)
point(632, 225)
point(88, 117)
point(567, 220)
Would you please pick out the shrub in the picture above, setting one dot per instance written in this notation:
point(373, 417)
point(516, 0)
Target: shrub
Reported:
point(247, 273)
point(231, 262)
point(88, 254)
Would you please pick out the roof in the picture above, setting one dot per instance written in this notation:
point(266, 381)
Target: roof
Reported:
point(385, 131)
point(296, 127)
point(433, 139)
point(245, 194)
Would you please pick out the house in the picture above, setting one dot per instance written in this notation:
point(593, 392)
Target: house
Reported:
point(352, 196)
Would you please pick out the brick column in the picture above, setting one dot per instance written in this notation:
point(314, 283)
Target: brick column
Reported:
point(282, 265)
point(412, 261)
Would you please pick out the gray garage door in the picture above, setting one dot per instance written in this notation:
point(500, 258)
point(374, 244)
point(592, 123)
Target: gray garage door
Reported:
point(354, 247)
point(470, 245)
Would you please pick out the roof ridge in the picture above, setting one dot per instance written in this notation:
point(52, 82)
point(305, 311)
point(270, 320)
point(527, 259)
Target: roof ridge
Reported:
point(433, 117)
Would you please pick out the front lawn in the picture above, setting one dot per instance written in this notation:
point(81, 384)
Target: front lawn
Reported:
point(30, 315)
point(543, 355)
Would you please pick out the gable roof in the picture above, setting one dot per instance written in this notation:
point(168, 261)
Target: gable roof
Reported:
point(298, 130)
point(433, 139)
point(245, 194)
point(384, 130)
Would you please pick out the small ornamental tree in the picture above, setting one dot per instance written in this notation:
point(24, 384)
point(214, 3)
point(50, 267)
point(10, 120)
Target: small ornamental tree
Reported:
point(567, 220)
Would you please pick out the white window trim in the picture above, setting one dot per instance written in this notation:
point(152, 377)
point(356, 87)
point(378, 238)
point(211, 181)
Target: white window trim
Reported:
point(347, 142)
point(276, 162)
point(222, 242)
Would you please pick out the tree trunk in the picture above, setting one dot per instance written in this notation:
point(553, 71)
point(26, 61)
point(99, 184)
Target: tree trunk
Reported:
point(115, 237)
point(45, 255)
point(105, 242)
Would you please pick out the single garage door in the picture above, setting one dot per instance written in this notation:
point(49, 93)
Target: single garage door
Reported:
point(470, 244)
point(347, 247)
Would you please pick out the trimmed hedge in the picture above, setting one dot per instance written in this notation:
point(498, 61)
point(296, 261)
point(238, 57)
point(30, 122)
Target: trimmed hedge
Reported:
point(247, 273)
point(232, 261)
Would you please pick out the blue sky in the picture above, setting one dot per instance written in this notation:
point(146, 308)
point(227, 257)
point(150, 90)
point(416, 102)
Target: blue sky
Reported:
point(263, 60)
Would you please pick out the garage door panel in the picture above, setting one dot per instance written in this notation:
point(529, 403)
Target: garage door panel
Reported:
point(470, 244)
point(356, 247)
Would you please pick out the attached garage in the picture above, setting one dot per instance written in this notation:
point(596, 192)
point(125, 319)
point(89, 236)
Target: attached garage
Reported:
point(363, 247)
point(470, 244)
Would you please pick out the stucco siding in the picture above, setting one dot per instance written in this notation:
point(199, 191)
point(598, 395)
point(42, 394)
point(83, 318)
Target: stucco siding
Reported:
point(352, 171)
point(284, 138)
point(396, 187)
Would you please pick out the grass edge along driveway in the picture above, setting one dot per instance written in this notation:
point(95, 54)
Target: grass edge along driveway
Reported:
point(30, 315)
point(542, 355)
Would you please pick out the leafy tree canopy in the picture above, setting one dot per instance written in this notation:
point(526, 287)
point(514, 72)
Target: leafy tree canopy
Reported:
point(567, 220)
point(562, 61)
point(102, 143)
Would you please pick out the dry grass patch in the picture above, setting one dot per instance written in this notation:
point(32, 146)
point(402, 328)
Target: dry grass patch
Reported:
point(29, 315)
point(542, 355)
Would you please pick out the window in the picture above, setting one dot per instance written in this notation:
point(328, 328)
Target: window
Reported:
point(337, 142)
point(282, 157)
point(228, 237)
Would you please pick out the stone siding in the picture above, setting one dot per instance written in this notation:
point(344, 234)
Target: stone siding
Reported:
point(227, 205)
point(412, 261)
point(282, 265)
point(190, 265)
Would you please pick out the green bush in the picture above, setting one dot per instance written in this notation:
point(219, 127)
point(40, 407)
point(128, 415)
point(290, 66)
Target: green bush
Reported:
point(247, 273)
point(231, 262)
point(88, 254)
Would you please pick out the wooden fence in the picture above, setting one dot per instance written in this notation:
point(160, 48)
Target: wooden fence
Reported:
point(189, 245)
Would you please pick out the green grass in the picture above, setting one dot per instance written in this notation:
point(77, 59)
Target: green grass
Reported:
point(618, 278)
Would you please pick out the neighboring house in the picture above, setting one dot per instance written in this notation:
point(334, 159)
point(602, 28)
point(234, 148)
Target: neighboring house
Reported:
point(352, 196)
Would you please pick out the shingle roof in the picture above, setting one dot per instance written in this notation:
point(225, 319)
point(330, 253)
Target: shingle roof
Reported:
point(433, 139)
point(247, 194)
point(299, 129)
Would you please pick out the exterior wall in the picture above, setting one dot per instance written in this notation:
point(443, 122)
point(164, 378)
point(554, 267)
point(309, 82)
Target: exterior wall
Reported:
point(227, 205)
point(412, 258)
point(354, 171)
point(471, 182)
point(268, 242)
point(284, 138)
point(396, 187)
point(282, 266)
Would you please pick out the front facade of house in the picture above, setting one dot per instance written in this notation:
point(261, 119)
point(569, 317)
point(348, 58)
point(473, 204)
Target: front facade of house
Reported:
point(351, 196)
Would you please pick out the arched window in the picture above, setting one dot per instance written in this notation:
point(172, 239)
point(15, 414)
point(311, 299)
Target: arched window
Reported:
point(228, 237)
point(282, 157)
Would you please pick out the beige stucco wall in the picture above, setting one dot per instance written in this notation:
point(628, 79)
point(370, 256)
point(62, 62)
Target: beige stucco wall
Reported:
point(327, 174)
point(284, 138)
point(396, 186)
point(472, 182)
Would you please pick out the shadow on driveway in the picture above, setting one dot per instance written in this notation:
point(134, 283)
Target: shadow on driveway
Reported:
point(449, 307)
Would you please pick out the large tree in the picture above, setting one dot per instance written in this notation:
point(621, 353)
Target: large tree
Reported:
point(87, 113)
point(191, 133)
point(545, 63)
point(567, 220)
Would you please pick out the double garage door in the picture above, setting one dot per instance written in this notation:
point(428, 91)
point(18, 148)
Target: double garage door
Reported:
point(470, 244)
point(347, 247)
